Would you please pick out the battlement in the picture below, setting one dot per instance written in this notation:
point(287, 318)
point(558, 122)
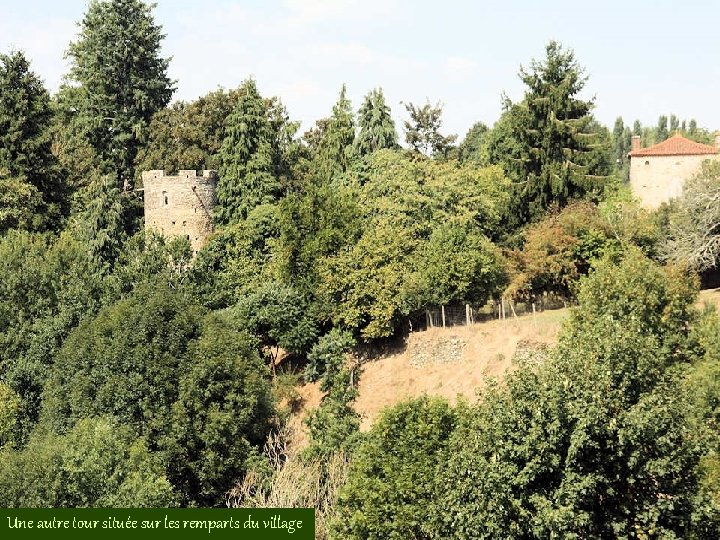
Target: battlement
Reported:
point(183, 174)
point(180, 205)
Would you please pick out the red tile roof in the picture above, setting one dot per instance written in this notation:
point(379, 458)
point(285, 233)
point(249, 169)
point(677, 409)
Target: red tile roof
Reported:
point(676, 145)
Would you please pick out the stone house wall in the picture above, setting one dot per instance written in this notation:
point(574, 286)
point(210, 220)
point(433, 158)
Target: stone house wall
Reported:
point(657, 179)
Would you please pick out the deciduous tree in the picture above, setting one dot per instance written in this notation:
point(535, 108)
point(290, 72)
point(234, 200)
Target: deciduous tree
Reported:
point(422, 130)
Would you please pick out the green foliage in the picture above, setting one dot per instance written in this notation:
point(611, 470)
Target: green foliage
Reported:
point(104, 222)
point(656, 134)
point(78, 160)
point(193, 387)
point(472, 148)
point(703, 389)
point(31, 193)
point(46, 286)
point(9, 408)
point(335, 145)
point(223, 410)
point(334, 424)
point(97, 464)
point(121, 82)
point(124, 362)
point(459, 264)
point(627, 221)
point(238, 259)
point(391, 482)
point(622, 142)
point(559, 250)
point(674, 123)
point(594, 442)
point(661, 132)
point(550, 158)
point(253, 156)
point(20, 204)
point(377, 128)
point(375, 279)
point(422, 130)
point(278, 315)
point(149, 258)
point(188, 135)
point(314, 226)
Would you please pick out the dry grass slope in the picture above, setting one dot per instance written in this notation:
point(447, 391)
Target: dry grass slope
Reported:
point(449, 362)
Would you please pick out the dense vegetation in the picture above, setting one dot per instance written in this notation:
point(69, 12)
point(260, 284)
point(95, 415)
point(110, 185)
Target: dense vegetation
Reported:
point(136, 373)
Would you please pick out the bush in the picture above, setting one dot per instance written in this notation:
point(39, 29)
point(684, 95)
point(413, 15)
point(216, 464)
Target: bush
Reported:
point(98, 463)
point(391, 480)
point(596, 441)
point(223, 410)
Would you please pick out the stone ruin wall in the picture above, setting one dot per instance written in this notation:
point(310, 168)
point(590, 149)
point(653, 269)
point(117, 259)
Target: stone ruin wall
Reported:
point(180, 205)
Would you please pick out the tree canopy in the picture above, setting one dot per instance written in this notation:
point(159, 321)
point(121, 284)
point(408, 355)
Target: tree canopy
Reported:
point(117, 81)
point(549, 161)
point(31, 192)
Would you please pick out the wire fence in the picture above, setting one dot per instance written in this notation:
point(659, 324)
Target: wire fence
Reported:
point(468, 314)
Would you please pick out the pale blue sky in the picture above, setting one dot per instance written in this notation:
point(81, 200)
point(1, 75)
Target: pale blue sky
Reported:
point(644, 58)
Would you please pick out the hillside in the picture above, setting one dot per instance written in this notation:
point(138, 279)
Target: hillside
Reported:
point(451, 361)
point(444, 362)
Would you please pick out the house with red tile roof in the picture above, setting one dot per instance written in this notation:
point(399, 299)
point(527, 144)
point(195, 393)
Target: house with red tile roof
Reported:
point(658, 173)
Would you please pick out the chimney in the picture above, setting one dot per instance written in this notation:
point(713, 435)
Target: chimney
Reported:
point(635, 143)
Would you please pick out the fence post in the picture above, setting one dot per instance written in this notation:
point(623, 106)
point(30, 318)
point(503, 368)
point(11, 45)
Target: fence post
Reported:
point(442, 308)
point(467, 314)
point(512, 308)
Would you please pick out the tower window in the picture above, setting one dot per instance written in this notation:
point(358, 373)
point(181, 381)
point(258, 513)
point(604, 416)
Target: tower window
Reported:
point(165, 198)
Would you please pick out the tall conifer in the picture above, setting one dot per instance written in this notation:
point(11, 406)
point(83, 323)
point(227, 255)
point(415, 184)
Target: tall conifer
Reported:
point(122, 81)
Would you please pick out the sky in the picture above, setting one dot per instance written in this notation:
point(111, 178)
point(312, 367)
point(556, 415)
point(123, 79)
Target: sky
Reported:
point(643, 58)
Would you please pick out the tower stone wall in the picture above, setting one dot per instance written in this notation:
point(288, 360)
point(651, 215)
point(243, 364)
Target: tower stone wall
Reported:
point(180, 205)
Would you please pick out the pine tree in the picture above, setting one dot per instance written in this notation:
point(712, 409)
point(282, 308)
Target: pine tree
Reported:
point(122, 81)
point(247, 160)
point(31, 193)
point(377, 128)
point(335, 149)
point(552, 128)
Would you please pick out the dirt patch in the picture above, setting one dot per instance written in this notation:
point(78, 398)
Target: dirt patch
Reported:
point(450, 362)
point(310, 397)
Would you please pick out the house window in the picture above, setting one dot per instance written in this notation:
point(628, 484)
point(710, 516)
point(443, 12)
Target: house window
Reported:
point(646, 163)
point(165, 198)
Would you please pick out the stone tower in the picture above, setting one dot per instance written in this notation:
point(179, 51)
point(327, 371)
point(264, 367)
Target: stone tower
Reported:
point(180, 205)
